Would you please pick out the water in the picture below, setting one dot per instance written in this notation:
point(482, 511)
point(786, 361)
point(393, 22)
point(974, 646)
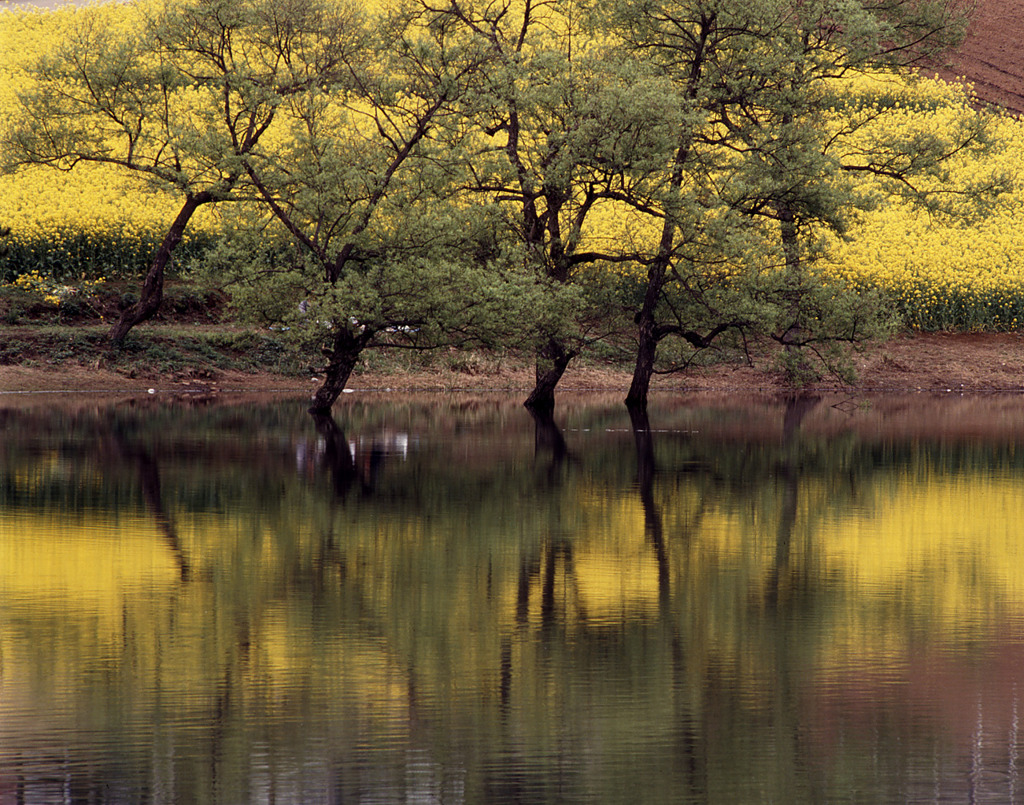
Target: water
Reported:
point(440, 600)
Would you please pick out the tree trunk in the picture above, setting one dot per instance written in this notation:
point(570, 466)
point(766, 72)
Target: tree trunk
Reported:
point(643, 370)
point(553, 358)
point(792, 331)
point(153, 286)
point(647, 339)
point(343, 359)
point(552, 361)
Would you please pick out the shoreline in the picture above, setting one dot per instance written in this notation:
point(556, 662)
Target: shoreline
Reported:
point(935, 362)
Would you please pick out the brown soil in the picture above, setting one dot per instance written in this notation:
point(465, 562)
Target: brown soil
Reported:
point(982, 362)
point(992, 58)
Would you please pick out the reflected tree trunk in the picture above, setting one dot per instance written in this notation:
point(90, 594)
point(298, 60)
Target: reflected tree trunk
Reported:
point(689, 740)
point(548, 440)
point(789, 691)
point(547, 436)
point(646, 470)
point(148, 473)
point(548, 614)
point(528, 570)
point(337, 455)
point(558, 550)
point(783, 534)
point(505, 678)
point(797, 408)
point(789, 474)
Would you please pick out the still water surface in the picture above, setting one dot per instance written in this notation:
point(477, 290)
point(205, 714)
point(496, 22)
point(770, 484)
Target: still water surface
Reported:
point(442, 600)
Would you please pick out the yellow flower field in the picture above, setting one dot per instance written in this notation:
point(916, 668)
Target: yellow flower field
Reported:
point(945, 271)
point(93, 221)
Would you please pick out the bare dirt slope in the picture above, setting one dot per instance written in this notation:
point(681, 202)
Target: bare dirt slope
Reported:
point(992, 58)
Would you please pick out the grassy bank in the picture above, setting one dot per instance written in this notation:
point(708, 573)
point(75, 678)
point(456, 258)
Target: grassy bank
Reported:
point(166, 350)
point(168, 356)
point(197, 337)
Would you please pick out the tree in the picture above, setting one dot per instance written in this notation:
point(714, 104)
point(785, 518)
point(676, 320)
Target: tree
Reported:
point(561, 129)
point(760, 164)
point(179, 94)
point(381, 251)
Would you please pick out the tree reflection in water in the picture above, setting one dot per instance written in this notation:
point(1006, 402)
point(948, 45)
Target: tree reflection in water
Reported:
point(149, 479)
point(458, 601)
point(337, 457)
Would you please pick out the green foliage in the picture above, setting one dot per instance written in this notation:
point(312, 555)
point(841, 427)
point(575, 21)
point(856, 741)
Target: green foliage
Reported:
point(409, 298)
point(761, 167)
point(819, 322)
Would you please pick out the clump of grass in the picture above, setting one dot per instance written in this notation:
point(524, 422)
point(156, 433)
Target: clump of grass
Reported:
point(150, 351)
point(170, 353)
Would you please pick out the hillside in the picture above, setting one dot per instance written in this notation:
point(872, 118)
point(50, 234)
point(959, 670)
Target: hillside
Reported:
point(992, 58)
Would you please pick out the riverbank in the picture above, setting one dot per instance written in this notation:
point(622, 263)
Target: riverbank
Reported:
point(943, 362)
